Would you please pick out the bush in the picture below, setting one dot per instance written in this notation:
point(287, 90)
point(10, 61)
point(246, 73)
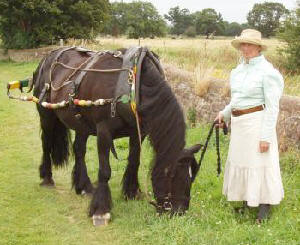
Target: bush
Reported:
point(28, 24)
point(290, 33)
point(18, 40)
point(190, 32)
point(132, 33)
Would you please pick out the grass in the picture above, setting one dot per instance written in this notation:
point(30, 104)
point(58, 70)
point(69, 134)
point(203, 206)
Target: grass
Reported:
point(32, 215)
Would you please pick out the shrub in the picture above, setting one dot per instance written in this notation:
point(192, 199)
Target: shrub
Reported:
point(190, 32)
point(290, 33)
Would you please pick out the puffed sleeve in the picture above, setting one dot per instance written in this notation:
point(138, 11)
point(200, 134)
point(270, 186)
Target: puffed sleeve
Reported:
point(227, 110)
point(273, 87)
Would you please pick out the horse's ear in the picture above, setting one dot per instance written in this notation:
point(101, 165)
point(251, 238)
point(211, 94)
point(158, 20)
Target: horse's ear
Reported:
point(188, 153)
point(194, 149)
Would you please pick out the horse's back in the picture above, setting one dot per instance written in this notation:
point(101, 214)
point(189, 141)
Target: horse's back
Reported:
point(92, 85)
point(64, 70)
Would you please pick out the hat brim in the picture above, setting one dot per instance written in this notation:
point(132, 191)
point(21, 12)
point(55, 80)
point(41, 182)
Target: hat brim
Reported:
point(237, 42)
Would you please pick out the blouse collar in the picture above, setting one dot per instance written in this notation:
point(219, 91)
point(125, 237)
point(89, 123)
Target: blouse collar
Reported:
point(254, 60)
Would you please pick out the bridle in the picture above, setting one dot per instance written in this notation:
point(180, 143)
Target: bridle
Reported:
point(164, 202)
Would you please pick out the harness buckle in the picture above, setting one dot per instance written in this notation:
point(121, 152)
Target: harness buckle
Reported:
point(130, 77)
point(71, 98)
point(117, 54)
point(113, 108)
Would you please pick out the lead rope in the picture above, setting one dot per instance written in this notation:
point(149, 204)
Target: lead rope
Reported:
point(217, 146)
point(218, 150)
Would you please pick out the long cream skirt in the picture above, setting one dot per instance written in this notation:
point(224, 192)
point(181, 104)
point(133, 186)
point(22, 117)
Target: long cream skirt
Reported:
point(250, 175)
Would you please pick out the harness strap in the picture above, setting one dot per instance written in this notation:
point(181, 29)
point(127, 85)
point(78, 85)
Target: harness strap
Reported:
point(40, 71)
point(138, 74)
point(122, 86)
point(59, 53)
point(137, 82)
point(47, 85)
point(81, 75)
point(43, 93)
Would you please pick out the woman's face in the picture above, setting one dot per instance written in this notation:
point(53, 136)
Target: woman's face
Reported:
point(249, 50)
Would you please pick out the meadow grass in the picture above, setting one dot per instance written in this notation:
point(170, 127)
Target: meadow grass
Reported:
point(30, 214)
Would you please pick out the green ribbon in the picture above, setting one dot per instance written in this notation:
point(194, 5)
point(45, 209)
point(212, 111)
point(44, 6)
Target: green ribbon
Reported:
point(24, 83)
point(125, 99)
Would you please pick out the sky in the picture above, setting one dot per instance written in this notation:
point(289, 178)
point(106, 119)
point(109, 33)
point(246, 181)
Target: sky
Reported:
point(231, 10)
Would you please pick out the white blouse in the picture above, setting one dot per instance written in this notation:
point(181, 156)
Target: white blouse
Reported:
point(253, 84)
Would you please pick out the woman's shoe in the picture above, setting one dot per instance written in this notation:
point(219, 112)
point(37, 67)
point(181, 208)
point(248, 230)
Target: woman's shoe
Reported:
point(263, 213)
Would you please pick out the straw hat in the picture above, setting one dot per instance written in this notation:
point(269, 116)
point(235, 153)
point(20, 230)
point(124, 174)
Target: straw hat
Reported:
point(249, 36)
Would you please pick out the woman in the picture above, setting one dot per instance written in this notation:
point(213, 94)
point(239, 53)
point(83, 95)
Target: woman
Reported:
point(252, 172)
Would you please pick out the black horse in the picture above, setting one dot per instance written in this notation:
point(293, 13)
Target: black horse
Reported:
point(161, 118)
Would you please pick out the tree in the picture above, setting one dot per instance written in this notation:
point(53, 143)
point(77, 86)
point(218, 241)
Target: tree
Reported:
point(20, 22)
point(144, 20)
point(232, 29)
point(137, 19)
point(82, 18)
point(245, 26)
point(30, 23)
point(180, 19)
point(266, 17)
point(118, 21)
point(208, 21)
point(290, 33)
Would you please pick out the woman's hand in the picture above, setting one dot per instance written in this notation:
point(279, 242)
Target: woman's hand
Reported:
point(263, 146)
point(220, 120)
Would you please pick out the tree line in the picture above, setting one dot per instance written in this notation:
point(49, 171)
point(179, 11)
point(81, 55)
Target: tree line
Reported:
point(136, 19)
point(31, 23)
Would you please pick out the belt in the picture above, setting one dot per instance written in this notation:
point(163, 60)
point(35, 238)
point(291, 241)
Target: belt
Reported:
point(237, 113)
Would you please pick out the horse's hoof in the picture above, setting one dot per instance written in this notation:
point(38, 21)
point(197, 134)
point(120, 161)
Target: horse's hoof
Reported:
point(47, 183)
point(101, 220)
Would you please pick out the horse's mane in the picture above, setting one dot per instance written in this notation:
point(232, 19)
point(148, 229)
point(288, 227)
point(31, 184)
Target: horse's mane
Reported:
point(162, 117)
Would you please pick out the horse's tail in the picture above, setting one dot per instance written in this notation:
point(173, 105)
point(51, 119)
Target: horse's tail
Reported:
point(56, 138)
point(60, 150)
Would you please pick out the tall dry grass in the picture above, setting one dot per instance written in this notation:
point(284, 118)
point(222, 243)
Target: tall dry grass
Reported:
point(206, 59)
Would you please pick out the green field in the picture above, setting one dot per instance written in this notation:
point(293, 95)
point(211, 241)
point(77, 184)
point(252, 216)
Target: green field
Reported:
point(32, 215)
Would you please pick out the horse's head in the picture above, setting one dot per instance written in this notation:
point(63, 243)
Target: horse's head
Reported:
point(172, 186)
